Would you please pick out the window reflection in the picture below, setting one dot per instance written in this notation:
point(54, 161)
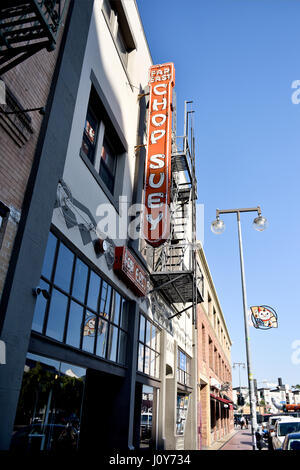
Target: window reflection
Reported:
point(89, 332)
point(148, 333)
point(149, 347)
point(101, 337)
point(124, 315)
point(90, 305)
point(94, 289)
point(147, 361)
point(49, 256)
point(74, 325)
point(49, 408)
point(122, 347)
point(57, 315)
point(80, 278)
point(64, 268)
point(115, 310)
point(142, 328)
point(105, 299)
point(141, 358)
point(40, 309)
point(112, 343)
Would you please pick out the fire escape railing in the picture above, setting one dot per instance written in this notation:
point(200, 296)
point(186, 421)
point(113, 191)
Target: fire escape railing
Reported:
point(174, 270)
point(26, 27)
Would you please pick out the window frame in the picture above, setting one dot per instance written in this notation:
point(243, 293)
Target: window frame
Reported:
point(86, 308)
point(142, 343)
point(118, 23)
point(109, 129)
point(181, 372)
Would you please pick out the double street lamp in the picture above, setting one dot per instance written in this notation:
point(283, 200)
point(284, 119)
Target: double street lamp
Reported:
point(260, 223)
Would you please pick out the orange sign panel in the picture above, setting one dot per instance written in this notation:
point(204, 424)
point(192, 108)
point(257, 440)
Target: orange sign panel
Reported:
point(156, 220)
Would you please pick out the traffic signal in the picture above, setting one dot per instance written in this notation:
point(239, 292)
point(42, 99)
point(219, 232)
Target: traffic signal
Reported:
point(241, 400)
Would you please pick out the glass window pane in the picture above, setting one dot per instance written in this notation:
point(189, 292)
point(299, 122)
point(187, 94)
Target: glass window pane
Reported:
point(105, 299)
point(49, 256)
point(89, 332)
point(79, 283)
point(147, 361)
point(64, 268)
point(115, 311)
point(158, 340)
point(148, 333)
point(40, 308)
point(101, 337)
point(122, 348)
point(142, 328)
point(94, 288)
point(90, 136)
point(152, 363)
point(57, 315)
point(141, 358)
point(121, 46)
point(74, 325)
point(112, 343)
point(153, 337)
point(124, 314)
point(157, 358)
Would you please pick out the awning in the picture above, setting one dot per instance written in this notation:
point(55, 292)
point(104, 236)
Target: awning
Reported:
point(223, 400)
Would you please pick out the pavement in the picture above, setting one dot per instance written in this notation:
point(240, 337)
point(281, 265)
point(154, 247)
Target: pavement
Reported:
point(242, 440)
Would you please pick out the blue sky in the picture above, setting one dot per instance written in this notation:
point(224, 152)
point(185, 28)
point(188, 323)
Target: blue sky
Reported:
point(237, 59)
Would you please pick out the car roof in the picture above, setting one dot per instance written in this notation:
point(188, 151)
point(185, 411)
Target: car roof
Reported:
point(291, 419)
point(294, 435)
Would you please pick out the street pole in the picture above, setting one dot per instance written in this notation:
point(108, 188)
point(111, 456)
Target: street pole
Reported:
point(218, 227)
point(247, 340)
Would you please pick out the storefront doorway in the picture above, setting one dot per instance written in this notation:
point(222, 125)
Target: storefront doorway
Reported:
point(146, 423)
point(50, 404)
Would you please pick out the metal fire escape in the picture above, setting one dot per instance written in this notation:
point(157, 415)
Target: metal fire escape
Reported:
point(26, 27)
point(175, 273)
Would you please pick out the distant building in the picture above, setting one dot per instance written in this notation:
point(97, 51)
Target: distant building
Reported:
point(215, 408)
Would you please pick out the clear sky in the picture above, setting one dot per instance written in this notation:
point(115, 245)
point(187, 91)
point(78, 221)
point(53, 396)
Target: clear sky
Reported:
point(237, 60)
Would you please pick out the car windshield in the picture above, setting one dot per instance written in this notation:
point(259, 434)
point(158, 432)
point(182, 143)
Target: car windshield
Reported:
point(294, 444)
point(288, 428)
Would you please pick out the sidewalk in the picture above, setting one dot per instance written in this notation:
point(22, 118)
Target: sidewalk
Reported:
point(220, 443)
point(242, 440)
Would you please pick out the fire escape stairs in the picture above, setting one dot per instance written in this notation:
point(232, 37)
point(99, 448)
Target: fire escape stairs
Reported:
point(26, 27)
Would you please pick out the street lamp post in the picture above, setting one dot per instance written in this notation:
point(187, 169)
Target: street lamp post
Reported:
point(218, 227)
point(239, 364)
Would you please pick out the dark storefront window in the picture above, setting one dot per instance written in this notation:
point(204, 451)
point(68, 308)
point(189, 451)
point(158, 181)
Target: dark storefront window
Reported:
point(149, 348)
point(49, 409)
point(183, 368)
point(146, 417)
point(83, 310)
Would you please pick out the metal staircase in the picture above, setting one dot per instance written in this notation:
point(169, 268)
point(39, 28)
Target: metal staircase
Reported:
point(26, 27)
point(174, 269)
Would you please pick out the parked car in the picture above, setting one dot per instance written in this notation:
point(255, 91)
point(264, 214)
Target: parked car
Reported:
point(291, 442)
point(36, 437)
point(285, 425)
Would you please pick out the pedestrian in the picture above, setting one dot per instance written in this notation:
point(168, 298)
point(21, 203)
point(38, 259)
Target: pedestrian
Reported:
point(258, 439)
point(246, 422)
point(242, 421)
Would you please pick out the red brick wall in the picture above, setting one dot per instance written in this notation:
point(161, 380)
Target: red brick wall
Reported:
point(30, 83)
point(212, 363)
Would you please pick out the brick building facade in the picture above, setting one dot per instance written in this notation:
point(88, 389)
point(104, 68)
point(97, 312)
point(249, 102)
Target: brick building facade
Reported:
point(27, 86)
point(215, 410)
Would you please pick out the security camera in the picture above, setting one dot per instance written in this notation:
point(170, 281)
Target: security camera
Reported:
point(37, 291)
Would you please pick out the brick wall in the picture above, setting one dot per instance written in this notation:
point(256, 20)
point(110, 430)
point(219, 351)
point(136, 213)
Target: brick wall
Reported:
point(27, 86)
point(212, 363)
